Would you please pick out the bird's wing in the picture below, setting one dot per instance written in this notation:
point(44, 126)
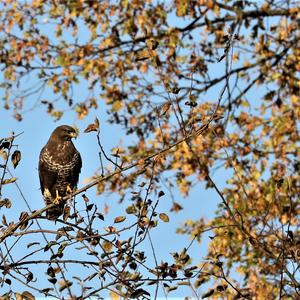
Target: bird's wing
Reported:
point(47, 175)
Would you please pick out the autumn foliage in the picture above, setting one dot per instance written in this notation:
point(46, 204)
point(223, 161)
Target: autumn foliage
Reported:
point(195, 87)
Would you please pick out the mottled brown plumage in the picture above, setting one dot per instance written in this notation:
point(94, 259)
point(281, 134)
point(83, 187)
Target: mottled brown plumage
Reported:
point(59, 168)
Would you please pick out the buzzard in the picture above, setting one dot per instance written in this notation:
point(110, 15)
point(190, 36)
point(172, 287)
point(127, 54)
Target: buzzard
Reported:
point(59, 168)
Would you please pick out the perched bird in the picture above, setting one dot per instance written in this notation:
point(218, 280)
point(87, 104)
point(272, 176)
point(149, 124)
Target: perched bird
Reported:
point(59, 167)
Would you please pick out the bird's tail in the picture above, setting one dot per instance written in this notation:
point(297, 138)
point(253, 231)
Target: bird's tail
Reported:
point(54, 212)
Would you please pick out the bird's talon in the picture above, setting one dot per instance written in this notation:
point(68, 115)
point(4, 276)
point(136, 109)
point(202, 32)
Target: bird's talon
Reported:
point(69, 190)
point(57, 199)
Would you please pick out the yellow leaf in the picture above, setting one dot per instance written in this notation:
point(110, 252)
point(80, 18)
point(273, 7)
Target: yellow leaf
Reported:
point(114, 296)
point(19, 296)
point(117, 105)
point(9, 180)
point(164, 217)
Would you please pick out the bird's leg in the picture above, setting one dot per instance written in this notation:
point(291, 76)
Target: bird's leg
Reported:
point(47, 194)
point(69, 189)
point(57, 199)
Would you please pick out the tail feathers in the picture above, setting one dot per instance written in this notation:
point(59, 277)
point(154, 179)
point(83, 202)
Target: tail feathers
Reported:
point(54, 212)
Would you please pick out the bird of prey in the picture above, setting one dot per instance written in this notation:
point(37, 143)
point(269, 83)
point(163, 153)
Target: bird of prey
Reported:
point(59, 167)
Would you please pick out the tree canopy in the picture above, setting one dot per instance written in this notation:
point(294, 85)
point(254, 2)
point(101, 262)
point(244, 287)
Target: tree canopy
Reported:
point(195, 87)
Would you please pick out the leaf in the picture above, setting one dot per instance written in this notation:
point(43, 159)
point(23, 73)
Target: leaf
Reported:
point(23, 216)
point(52, 280)
point(51, 272)
point(85, 198)
point(107, 246)
point(15, 158)
point(152, 44)
point(142, 55)
point(222, 287)
point(176, 207)
point(175, 90)
point(4, 222)
point(208, 294)
point(165, 108)
point(120, 219)
point(114, 296)
point(9, 180)
point(171, 288)
point(200, 281)
point(64, 284)
point(5, 202)
point(89, 207)
point(164, 217)
point(131, 209)
point(93, 127)
point(29, 277)
point(49, 245)
point(18, 296)
point(110, 229)
point(100, 216)
point(27, 296)
point(138, 293)
point(4, 145)
point(161, 193)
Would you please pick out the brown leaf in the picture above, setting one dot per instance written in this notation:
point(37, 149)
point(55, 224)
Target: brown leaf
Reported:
point(120, 219)
point(110, 229)
point(164, 217)
point(23, 216)
point(171, 288)
point(64, 284)
point(175, 90)
point(208, 294)
point(27, 296)
point(66, 212)
point(222, 287)
point(18, 296)
point(107, 246)
point(4, 222)
point(176, 207)
point(9, 180)
point(4, 145)
point(15, 158)
point(5, 202)
point(93, 127)
point(165, 108)
point(97, 123)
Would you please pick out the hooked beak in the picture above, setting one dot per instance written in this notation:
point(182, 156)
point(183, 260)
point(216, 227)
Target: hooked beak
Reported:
point(73, 135)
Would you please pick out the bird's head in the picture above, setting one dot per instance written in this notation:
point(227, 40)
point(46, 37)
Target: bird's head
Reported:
point(65, 132)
